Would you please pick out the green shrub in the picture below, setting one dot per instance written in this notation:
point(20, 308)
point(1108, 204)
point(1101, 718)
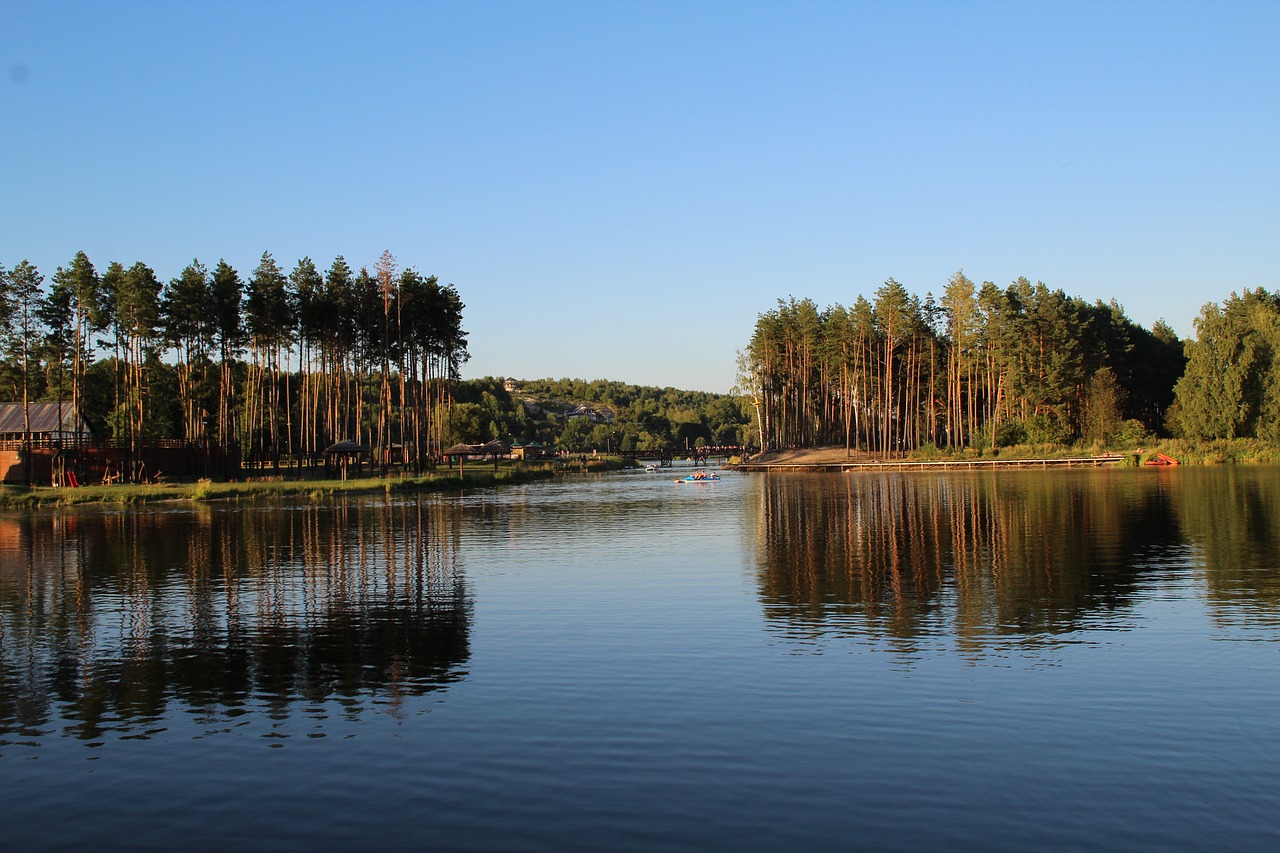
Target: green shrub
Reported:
point(1132, 433)
point(1046, 429)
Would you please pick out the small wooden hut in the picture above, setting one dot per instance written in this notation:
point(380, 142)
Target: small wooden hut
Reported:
point(532, 450)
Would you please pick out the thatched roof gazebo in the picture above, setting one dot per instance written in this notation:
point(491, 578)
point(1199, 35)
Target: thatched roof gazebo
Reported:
point(459, 452)
point(339, 455)
point(493, 449)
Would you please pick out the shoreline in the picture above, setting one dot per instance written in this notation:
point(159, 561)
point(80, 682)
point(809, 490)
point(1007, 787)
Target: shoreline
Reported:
point(877, 464)
point(798, 460)
point(1217, 452)
point(47, 497)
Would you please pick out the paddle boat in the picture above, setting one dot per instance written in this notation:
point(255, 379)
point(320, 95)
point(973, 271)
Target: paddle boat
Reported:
point(699, 477)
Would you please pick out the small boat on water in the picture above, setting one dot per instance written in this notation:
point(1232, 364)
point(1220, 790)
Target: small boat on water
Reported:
point(652, 468)
point(710, 478)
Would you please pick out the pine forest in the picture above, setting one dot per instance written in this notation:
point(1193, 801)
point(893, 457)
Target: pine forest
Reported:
point(283, 364)
point(985, 367)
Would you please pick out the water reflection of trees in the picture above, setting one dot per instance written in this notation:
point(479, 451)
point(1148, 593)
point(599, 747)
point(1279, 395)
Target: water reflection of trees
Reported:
point(989, 558)
point(1231, 518)
point(110, 620)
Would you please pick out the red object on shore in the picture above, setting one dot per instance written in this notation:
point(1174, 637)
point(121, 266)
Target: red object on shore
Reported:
point(1161, 459)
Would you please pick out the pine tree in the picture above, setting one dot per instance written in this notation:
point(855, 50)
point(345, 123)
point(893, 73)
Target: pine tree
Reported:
point(189, 313)
point(269, 321)
point(80, 286)
point(226, 295)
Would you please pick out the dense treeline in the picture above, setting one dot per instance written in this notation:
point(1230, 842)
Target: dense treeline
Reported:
point(286, 363)
point(278, 363)
point(1231, 388)
point(622, 417)
point(980, 366)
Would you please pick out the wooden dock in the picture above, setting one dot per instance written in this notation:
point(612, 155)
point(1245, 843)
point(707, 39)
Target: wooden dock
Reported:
point(931, 465)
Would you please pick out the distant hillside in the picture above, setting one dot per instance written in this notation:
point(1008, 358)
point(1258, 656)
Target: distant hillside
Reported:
point(604, 415)
point(612, 393)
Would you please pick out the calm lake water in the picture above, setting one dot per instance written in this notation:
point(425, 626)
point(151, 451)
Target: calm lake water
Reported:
point(1012, 661)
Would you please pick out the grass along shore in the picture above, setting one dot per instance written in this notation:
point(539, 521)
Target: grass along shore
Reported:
point(1225, 451)
point(17, 497)
point(1236, 451)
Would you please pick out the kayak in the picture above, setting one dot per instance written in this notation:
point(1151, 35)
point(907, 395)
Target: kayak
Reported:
point(710, 479)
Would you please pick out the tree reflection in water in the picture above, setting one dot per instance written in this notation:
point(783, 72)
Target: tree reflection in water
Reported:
point(1231, 519)
point(1008, 560)
point(113, 622)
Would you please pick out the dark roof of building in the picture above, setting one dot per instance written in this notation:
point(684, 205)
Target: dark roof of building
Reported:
point(44, 418)
point(343, 447)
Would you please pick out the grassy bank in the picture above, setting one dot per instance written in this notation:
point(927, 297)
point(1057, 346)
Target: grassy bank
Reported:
point(1234, 451)
point(1223, 452)
point(1237, 451)
point(12, 497)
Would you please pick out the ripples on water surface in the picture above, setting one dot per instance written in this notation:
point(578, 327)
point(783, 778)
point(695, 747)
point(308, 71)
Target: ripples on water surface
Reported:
point(997, 661)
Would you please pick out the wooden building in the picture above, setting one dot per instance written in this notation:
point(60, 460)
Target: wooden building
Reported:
point(51, 424)
point(48, 427)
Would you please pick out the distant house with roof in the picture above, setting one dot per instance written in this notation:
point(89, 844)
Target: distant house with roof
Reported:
point(50, 423)
point(583, 411)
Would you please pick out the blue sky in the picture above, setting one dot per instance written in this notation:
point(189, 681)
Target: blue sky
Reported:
point(617, 190)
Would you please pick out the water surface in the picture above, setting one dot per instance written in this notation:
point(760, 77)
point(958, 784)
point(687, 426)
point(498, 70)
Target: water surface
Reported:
point(881, 661)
